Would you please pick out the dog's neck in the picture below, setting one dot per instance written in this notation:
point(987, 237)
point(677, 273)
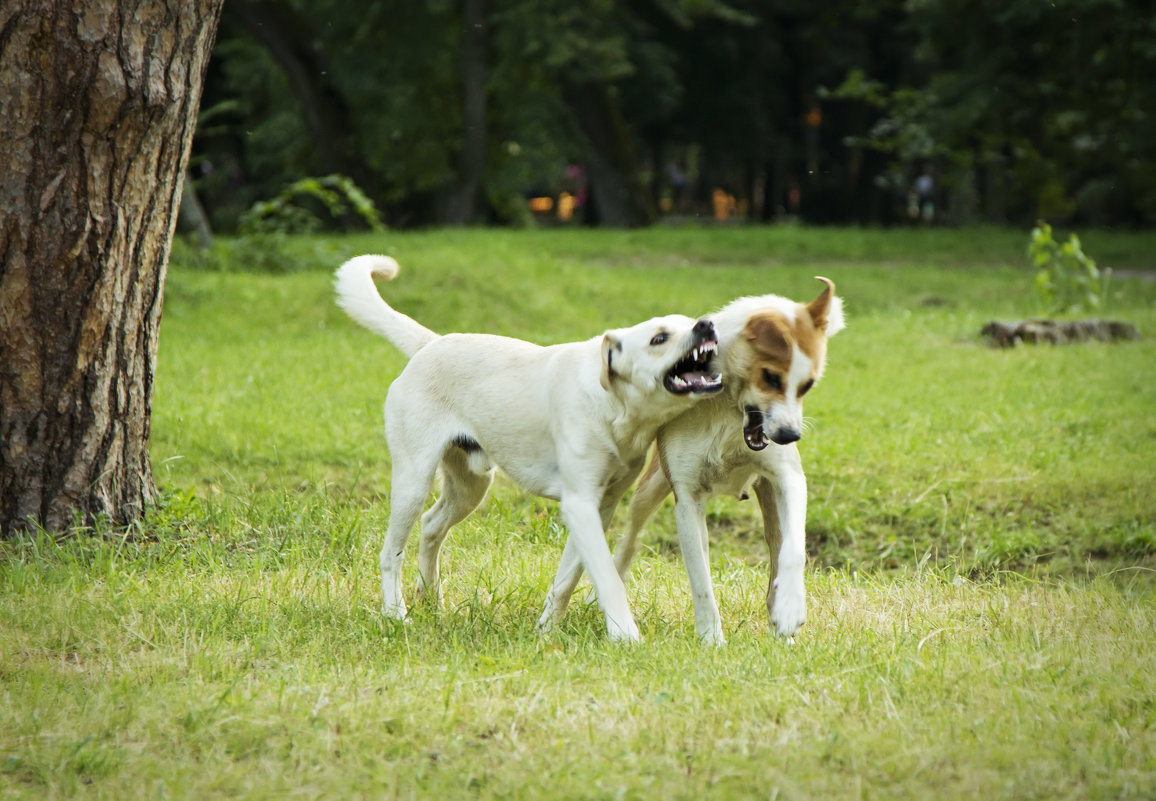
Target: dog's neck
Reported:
point(632, 426)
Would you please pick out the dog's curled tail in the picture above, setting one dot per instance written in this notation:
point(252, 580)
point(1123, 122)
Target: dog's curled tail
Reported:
point(357, 294)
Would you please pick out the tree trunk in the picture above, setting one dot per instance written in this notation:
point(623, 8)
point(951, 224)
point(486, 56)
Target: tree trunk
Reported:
point(96, 118)
point(191, 218)
point(463, 205)
point(296, 48)
point(616, 191)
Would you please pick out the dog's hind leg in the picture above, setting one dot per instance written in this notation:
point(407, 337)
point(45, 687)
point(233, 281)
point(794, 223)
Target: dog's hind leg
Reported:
point(765, 494)
point(462, 490)
point(412, 478)
point(651, 491)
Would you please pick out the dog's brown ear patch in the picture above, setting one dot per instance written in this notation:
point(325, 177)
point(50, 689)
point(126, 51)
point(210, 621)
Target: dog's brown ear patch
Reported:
point(819, 307)
point(770, 334)
point(611, 346)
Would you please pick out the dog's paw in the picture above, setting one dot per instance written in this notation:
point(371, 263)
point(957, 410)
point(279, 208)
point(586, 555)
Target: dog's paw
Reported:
point(547, 622)
point(622, 630)
point(713, 638)
point(428, 595)
point(394, 608)
point(551, 613)
point(790, 609)
point(707, 622)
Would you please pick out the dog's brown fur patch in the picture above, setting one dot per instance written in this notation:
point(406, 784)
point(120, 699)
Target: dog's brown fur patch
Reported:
point(770, 334)
point(772, 345)
point(769, 340)
point(810, 339)
point(811, 324)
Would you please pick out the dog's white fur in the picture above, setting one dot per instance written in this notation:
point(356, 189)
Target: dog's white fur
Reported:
point(718, 447)
point(570, 422)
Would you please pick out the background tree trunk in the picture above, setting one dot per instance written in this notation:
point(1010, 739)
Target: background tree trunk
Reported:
point(192, 218)
point(297, 49)
point(463, 205)
point(619, 198)
point(97, 112)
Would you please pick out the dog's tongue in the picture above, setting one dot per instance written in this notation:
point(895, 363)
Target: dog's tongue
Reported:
point(753, 430)
point(696, 378)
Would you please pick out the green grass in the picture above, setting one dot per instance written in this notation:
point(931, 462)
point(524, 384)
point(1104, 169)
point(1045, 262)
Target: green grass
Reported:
point(980, 528)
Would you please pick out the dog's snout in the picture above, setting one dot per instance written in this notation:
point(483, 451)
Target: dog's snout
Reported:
point(785, 436)
point(704, 328)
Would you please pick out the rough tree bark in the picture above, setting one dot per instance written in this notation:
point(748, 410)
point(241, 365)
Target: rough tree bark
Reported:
point(98, 100)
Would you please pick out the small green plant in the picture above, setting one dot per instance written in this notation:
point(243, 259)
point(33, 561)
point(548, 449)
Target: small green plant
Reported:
point(1067, 279)
point(263, 245)
point(294, 210)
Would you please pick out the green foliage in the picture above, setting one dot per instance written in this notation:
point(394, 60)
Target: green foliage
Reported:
point(1067, 279)
point(901, 130)
point(295, 209)
point(274, 253)
point(267, 244)
point(1045, 135)
point(1015, 133)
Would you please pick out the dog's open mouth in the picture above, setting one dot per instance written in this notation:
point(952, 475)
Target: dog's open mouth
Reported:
point(692, 374)
point(753, 432)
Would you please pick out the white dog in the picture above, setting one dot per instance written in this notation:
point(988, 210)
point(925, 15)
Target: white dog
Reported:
point(772, 351)
point(570, 422)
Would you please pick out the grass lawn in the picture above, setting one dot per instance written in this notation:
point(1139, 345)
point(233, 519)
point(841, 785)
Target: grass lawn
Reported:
point(982, 533)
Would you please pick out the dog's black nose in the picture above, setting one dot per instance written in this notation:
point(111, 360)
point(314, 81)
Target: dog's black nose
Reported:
point(704, 328)
point(785, 436)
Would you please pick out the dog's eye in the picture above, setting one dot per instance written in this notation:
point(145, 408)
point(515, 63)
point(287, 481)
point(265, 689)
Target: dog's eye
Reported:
point(658, 339)
point(803, 390)
point(774, 381)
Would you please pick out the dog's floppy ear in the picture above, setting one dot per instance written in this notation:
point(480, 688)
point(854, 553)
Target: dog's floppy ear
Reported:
point(769, 334)
point(611, 347)
point(827, 310)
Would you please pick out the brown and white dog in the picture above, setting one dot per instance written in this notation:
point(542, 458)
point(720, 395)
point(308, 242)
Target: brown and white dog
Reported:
point(771, 352)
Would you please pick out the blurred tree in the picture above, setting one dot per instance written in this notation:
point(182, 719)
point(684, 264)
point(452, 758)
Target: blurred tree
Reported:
point(455, 110)
point(590, 53)
point(1043, 107)
point(290, 39)
point(463, 202)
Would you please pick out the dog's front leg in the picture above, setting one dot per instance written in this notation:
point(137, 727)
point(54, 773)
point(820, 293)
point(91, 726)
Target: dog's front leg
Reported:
point(583, 521)
point(785, 497)
point(570, 566)
point(690, 516)
point(569, 571)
